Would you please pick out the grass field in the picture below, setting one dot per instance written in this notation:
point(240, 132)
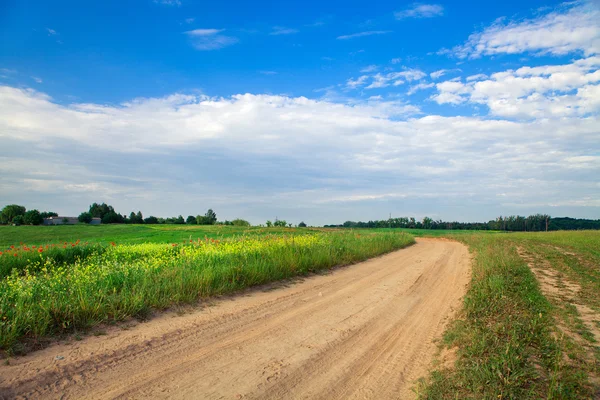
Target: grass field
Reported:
point(529, 328)
point(52, 288)
point(126, 234)
point(516, 338)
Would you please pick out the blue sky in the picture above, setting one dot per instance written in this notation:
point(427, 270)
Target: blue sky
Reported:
point(314, 111)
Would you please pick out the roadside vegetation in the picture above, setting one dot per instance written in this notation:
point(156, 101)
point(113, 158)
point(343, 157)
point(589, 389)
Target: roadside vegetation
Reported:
point(515, 338)
point(52, 291)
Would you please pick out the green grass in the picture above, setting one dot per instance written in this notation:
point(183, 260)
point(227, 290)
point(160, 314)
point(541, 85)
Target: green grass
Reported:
point(48, 298)
point(126, 234)
point(508, 338)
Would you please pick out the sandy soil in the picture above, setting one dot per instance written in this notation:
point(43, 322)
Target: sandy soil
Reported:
point(363, 331)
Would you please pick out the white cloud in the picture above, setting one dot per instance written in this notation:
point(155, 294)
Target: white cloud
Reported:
point(268, 72)
point(303, 150)
point(370, 68)
point(282, 30)
point(551, 91)
point(476, 77)
point(189, 20)
point(362, 34)
point(419, 10)
point(438, 74)
point(301, 154)
point(210, 39)
point(36, 79)
point(168, 2)
point(380, 80)
point(51, 32)
point(397, 60)
point(573, 27)
point(354, 83)
point(421, 86)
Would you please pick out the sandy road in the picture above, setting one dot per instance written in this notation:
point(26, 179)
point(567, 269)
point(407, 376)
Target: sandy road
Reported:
point(364, 331)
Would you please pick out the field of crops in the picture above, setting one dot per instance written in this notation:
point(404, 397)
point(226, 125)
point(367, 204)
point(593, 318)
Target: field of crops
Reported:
point(50, 288)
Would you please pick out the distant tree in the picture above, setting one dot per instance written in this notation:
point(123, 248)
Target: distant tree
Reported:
point(85, 217)
point(211, 217)
point(302, 225)
point(201, 220)
point(139, 218)
point(280, 222)
point(100, 210)
point(131, 219)
point(10, 212)
point(180, 220)
point(427, 222)
point(112, 218)
point(240, 222)
point(18, 220)
point(191, 220)
point(151, 220)
point(269, 224)
point(33, 217)
point(48, 214)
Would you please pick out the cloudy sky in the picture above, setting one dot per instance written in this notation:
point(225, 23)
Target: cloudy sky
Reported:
point(304, 110)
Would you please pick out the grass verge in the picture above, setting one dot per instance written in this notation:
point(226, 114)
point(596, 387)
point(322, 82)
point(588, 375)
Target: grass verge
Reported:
point(506, 340)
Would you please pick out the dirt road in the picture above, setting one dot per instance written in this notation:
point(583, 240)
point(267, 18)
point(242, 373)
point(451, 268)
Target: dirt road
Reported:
point(364, 331)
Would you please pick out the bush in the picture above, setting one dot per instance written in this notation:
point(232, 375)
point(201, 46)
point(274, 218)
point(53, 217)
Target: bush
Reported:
point(85, 217)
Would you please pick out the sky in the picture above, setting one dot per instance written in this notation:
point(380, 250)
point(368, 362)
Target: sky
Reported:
point(309, 111)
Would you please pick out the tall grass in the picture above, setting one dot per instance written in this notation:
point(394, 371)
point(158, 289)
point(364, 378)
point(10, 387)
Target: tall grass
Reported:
point(48, 298)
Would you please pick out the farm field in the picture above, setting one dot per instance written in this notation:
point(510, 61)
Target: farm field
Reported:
point(355, 331)
point(50, 289)
point(528, 324)
point(127, 234)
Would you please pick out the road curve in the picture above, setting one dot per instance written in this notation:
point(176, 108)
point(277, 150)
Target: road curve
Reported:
point(364, 331)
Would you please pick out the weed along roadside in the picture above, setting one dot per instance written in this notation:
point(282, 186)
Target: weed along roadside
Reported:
point(45, 296)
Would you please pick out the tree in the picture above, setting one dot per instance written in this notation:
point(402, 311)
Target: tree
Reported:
point(85, 217)
point(10, 212)
point(240, 222)
point(48, 214)
point(33, 217)
point(18, 220)
point(112, 218)
point(201, 220)
point(100, 210)
point(180, 220)
point(139, 218)
point(151, 220)
point(191, 220)
point(211, 217)
point(269, 224)
point(302, 225)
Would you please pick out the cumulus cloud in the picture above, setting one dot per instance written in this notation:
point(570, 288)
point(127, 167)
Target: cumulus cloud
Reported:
point(210, 39)
point(290, 155)
point(362, 34)
point(550, 91)
point(573, 27)
point(420, 10)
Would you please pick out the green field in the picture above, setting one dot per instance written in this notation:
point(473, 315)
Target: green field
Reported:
point(126, 234)
point(57, 283)
point(514, 338)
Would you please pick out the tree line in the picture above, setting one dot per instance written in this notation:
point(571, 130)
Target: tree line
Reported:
point(19, 215)
point(513, 223)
